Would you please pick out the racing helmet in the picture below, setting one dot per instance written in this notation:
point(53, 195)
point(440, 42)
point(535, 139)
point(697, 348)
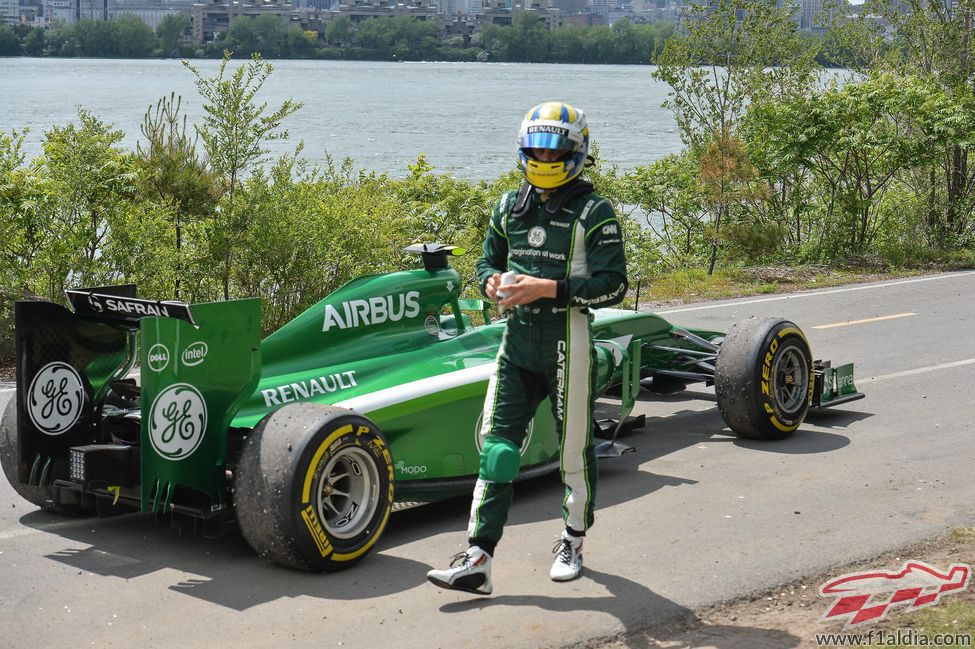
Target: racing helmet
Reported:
point(556, 126)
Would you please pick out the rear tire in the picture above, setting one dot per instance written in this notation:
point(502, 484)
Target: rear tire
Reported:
point(764, 378)
point(10, 459)
point(314, 487)
point(43, 497)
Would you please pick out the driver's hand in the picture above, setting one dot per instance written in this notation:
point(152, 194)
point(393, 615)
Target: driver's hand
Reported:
point(491, 286)
point(526, 290)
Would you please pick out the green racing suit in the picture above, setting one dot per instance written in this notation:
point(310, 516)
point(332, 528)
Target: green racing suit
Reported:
point(574, 238)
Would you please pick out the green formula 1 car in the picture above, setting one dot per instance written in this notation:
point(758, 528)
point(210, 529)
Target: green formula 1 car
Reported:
point(373, 396)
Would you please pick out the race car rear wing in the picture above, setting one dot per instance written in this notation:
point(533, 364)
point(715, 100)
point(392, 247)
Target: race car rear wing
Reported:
point(119, 304)
point(64, 366)
point(197, 365)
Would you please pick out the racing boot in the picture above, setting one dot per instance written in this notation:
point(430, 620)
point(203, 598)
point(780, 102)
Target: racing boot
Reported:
point(568, 558)
point(469, 571)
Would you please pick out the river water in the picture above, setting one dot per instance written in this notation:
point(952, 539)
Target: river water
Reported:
point(462, 116)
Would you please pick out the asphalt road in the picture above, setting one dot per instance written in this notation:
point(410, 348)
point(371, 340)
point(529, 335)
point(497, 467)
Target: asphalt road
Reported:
point(693, 517)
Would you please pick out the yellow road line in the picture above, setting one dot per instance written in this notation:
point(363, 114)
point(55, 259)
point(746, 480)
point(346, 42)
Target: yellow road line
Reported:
point(856, 322)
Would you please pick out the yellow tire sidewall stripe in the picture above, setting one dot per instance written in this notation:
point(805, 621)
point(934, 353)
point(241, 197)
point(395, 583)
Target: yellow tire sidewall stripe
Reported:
point(336, 556)
point(785, 429)
point(348, 556)
point(781, 335)
point(310, 478)
point(792, 330)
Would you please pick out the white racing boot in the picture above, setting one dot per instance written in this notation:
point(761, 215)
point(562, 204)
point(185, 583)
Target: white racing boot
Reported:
point(568, 558)
point(469, 571)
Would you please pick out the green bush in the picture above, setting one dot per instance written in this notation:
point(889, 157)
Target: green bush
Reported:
point(751, 242)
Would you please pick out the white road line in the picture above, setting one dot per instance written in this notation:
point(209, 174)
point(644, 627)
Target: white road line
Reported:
point(796, 296)
point(865, 320)
point(917, 370)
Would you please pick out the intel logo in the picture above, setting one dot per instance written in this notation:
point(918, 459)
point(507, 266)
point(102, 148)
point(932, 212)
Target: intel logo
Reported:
point(195, 354)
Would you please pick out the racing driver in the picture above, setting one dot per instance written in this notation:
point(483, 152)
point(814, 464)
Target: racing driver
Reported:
point(564, 246)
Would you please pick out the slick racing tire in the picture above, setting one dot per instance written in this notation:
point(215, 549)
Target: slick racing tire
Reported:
point(10, 458)
point(314, 487)
point(764, 378)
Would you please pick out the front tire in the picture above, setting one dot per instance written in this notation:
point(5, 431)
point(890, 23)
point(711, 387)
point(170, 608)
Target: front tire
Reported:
point(764, 378)
point(314, 487)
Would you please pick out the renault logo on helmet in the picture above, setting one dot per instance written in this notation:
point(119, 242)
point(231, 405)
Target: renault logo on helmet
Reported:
point(546, 128)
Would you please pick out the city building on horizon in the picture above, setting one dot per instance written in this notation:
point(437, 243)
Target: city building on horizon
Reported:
point(46, 13)
point(212, 17)
point(9, 12)
point(151, 12)
point(462, 19)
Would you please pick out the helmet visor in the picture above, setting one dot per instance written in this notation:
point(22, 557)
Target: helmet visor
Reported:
point(547, 140)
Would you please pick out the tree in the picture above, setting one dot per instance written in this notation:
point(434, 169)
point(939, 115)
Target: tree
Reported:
point(858, 141)
point(931, 39)
point(338, 32)
point(672, 198)
point(93, 37)
point(268, 33)
point(296, 42)
point(170, 32)
point(240, 37)
point(34, 42)
point(599, 44)
point(60, 41)
point(9, 43)
point(527, 39)
point(567, 45)
point(735, 51)
point(235, 132)
point(18, 243)
point(173, 175)
point(134, 38)
point(377, 34)
point(89, 187)
point(18, 232)
point(727, 175)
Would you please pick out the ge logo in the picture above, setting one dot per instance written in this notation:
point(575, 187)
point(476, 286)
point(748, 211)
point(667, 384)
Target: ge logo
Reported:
point(480, 434)
point(177, 421)
point(55, 398)
point(536, 237)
